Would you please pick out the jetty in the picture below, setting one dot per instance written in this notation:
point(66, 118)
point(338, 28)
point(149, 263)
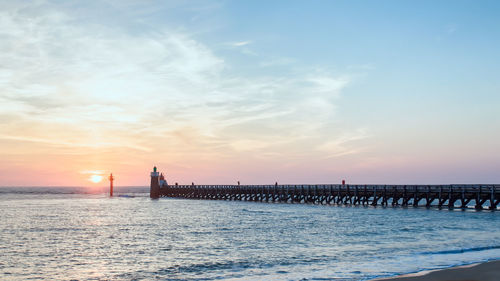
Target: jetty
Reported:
point(478, 196)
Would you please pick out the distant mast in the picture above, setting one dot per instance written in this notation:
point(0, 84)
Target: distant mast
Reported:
point(111, 178)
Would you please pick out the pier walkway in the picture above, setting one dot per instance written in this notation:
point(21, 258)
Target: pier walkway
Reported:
point(478, 196)
point(448, 196)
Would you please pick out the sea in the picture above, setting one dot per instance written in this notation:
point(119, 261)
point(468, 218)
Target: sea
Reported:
point(74, 233)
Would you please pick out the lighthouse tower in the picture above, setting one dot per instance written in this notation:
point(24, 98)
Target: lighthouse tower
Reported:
point(154, 191)
point(111, 179)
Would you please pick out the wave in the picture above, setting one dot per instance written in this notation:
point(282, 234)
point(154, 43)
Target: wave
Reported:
point(460, 251)
point(445, 261)
point(256, 211)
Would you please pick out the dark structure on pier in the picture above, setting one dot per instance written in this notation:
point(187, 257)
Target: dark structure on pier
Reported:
point(443, 196)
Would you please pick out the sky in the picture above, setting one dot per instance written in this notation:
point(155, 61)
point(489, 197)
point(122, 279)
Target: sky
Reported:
point(215, 92)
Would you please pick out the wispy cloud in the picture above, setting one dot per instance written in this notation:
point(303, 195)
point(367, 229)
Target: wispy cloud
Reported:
point(344, 144)
point(73, 84)
point(240, 43)
point(76, 144)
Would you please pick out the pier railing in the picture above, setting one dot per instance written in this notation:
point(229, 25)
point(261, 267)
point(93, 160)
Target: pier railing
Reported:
point(448, 196)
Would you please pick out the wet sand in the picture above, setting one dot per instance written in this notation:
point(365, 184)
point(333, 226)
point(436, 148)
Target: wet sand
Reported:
point(488, 271)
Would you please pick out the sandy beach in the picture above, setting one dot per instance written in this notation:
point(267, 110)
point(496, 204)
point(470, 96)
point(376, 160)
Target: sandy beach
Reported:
point(488, 271)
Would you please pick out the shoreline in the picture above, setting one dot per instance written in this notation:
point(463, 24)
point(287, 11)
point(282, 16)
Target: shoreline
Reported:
point(486, 271)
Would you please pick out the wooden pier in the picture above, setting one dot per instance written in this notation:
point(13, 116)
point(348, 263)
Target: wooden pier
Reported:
point(485, 196)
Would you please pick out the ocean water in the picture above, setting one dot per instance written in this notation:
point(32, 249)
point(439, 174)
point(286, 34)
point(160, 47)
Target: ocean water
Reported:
point(70, 233)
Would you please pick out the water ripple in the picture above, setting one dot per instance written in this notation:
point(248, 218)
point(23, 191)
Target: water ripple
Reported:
point(93, 237)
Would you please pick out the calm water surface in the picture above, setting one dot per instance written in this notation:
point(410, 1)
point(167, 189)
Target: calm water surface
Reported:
point(93, 237)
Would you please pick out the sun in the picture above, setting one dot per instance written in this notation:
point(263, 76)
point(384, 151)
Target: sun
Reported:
point(95, 178)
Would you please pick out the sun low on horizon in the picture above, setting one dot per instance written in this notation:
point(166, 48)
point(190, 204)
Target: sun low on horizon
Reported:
point(95, 178)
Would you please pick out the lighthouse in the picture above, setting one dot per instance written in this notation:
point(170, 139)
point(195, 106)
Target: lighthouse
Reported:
point(154, 191)
point(111, 179)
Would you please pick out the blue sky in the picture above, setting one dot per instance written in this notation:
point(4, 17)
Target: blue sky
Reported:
point(214, 91)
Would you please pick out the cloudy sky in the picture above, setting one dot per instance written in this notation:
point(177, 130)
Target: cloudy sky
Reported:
point(255, 91)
